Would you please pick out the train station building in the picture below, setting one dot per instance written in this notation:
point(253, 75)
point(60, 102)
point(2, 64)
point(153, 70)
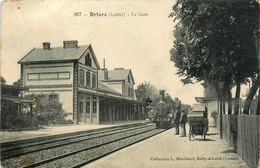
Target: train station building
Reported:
point(72, 75)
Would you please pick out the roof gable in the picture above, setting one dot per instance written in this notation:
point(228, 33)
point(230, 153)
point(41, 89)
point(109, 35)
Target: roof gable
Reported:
point(118, 74)
point(92, 55)
point(132, 77)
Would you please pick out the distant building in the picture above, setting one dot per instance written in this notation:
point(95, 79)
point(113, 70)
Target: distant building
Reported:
point(213, 105)
point(120, 79)
point(12, 101)
point(71, 74)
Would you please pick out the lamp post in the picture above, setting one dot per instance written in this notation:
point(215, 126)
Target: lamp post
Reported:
point(221, 84)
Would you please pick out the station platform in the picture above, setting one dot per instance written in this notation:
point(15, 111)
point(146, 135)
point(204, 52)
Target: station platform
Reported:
point(7, 136)
point(167, 150)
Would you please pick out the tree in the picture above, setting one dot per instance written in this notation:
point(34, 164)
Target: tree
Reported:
point(215, 41)
point(251, 94)
point(209, 91)
point(169, 101)
point(3, 81)
point(147, 91)
point(18, 83)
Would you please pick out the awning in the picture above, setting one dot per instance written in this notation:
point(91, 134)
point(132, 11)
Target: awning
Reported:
point(112, 96)
point(17, 100)
point(202, 99)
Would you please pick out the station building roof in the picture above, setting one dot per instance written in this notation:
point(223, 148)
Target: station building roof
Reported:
point(103, 87)
point(57, 54)
point(118, 74)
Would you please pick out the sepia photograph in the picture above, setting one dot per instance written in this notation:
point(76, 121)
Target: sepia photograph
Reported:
point(130, 84)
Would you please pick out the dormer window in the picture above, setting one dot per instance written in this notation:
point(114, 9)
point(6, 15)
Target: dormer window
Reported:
point(88, 60)
point(128, 79)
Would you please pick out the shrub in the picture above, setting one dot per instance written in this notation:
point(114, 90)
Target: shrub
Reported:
point(21, 121)
point(51, 113)
point(70, 121)
point(214, 114)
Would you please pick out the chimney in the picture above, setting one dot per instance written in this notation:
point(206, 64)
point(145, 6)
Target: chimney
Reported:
point(105, 70)
point(46, 45)
point(70, 44)
point(105, 74)
point(161, 95)
point(104, 63)
point(118, 68)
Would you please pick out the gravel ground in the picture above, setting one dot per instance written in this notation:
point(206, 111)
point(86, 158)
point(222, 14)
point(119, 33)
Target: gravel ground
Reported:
point(93, 153)
point(65, 141)
point(49, 153)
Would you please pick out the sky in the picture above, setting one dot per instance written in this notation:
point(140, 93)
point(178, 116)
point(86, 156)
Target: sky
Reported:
point(141, 42)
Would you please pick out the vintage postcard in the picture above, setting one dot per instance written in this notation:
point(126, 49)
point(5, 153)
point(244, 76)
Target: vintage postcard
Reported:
point(83, 84)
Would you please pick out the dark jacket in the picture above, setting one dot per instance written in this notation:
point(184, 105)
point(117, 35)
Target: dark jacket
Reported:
point(205, 113)
point(183, 118)
point(177, 115)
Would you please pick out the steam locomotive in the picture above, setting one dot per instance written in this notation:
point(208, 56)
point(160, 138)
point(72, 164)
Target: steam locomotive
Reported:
point(163, 117)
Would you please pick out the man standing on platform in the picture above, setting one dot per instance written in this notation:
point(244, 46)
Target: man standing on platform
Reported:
point(183, 121)
point(177, 117)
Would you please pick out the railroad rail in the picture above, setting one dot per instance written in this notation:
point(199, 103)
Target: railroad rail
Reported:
point(75, 150)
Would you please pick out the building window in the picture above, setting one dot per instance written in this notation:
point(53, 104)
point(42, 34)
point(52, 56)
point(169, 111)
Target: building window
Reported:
point(81, 77)
point(63, 75)
point(88, 61)
point(32, 76)
point(88, 79)
point(48, 76)
point(53, 98)
point(44, 76)
point(88, 107)
point(42, 99)
point(94, 107)
point(129, 92)
point(80, 107)
point(94, 80)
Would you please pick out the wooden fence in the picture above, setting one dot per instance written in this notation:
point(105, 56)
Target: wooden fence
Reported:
point(229, 126)
point(248, 137)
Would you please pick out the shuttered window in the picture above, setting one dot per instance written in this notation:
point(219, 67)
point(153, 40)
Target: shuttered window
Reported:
point(81, 107)
point(129, 91)
point(94, 80)
point(81, 77)
point(88, 107)
point(53, 98)
point(88, 79)
point(94, 107)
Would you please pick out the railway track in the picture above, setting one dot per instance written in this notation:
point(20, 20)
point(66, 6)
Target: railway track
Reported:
point(76, 150)
point(11, 150)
